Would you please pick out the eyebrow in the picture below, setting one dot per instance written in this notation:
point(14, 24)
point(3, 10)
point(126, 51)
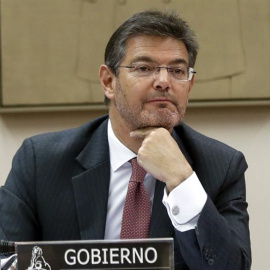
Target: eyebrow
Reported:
point(150, 60)
point(179, 61)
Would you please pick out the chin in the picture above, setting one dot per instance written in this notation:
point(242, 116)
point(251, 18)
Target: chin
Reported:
point(167, 120)
point(167, 123)
point(168, 126)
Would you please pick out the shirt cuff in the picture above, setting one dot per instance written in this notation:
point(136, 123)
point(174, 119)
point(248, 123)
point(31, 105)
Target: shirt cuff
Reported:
point(185, 203)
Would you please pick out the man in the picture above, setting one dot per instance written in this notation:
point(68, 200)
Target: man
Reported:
point(73, 184)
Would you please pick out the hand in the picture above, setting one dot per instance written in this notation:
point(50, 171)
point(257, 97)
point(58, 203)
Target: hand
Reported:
point(160, 156)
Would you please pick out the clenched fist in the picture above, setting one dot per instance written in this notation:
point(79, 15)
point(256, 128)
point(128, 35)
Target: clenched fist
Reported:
point(160, 156)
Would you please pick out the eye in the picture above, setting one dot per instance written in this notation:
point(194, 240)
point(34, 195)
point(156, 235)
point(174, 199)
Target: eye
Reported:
point(143, 68)
point(177, 70)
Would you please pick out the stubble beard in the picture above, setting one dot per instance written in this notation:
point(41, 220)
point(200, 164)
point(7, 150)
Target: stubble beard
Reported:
point(136, 117)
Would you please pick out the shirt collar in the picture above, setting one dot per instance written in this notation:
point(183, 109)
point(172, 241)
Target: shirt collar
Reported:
point(119, 153)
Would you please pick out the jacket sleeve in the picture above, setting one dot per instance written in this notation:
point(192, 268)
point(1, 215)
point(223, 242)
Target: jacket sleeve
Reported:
point(18, 220)
point(221, 240)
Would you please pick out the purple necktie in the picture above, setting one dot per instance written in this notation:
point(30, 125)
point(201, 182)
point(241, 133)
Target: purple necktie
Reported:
point(137, 209)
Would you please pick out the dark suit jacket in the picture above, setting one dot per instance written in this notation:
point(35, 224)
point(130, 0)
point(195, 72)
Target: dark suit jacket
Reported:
point(58, 190)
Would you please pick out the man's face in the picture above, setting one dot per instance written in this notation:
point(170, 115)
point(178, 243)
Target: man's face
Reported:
point(155, 101)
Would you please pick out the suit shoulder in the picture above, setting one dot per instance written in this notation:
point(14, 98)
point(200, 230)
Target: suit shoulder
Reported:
point(82, 132)
point(194, 139)
point(68, 142)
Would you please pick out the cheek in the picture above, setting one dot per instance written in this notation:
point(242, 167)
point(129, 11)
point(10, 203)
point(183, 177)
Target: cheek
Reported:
point(133, 90)
point(183, 94)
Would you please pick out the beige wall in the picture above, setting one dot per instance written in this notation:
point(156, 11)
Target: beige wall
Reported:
point(245, 128)
point(51, 50)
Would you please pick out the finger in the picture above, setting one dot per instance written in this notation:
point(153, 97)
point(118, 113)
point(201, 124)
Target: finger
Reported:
point(142, 132)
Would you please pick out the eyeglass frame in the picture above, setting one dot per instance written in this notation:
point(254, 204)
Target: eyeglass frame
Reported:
point(191, 71)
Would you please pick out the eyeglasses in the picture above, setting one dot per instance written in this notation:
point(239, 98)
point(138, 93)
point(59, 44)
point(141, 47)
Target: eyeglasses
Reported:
point(145, 70)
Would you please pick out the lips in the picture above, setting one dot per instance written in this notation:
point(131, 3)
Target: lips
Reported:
point(160, 100)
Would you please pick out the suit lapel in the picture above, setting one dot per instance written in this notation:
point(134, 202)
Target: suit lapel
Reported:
point(177, 136)
point(92, 184)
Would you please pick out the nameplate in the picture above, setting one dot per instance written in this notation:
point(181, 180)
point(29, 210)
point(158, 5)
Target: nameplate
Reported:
point(96, 254)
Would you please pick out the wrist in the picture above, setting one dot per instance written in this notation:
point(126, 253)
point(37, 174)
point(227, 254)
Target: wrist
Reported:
point(179, 178)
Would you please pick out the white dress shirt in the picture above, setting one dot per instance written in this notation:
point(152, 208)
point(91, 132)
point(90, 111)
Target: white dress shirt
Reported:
point(183, 204)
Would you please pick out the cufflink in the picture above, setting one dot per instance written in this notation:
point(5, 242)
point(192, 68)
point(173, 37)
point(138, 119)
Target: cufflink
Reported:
point(175, 210)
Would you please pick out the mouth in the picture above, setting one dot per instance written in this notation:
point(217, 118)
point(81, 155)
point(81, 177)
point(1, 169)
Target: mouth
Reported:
point(160, 100)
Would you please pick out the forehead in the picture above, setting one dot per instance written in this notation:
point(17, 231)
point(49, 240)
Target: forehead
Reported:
point(161, 50)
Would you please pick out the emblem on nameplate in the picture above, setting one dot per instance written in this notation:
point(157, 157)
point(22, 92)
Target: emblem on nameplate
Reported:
point(37, 260)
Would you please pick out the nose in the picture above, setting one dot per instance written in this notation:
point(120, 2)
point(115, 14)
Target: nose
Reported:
point(162, 82)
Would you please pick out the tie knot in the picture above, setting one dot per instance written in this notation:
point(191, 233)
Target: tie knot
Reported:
point(138, 172)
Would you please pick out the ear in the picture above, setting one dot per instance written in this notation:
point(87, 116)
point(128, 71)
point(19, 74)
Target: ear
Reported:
point(107, 80)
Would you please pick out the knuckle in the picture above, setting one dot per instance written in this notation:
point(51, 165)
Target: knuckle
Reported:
point(142, 154)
